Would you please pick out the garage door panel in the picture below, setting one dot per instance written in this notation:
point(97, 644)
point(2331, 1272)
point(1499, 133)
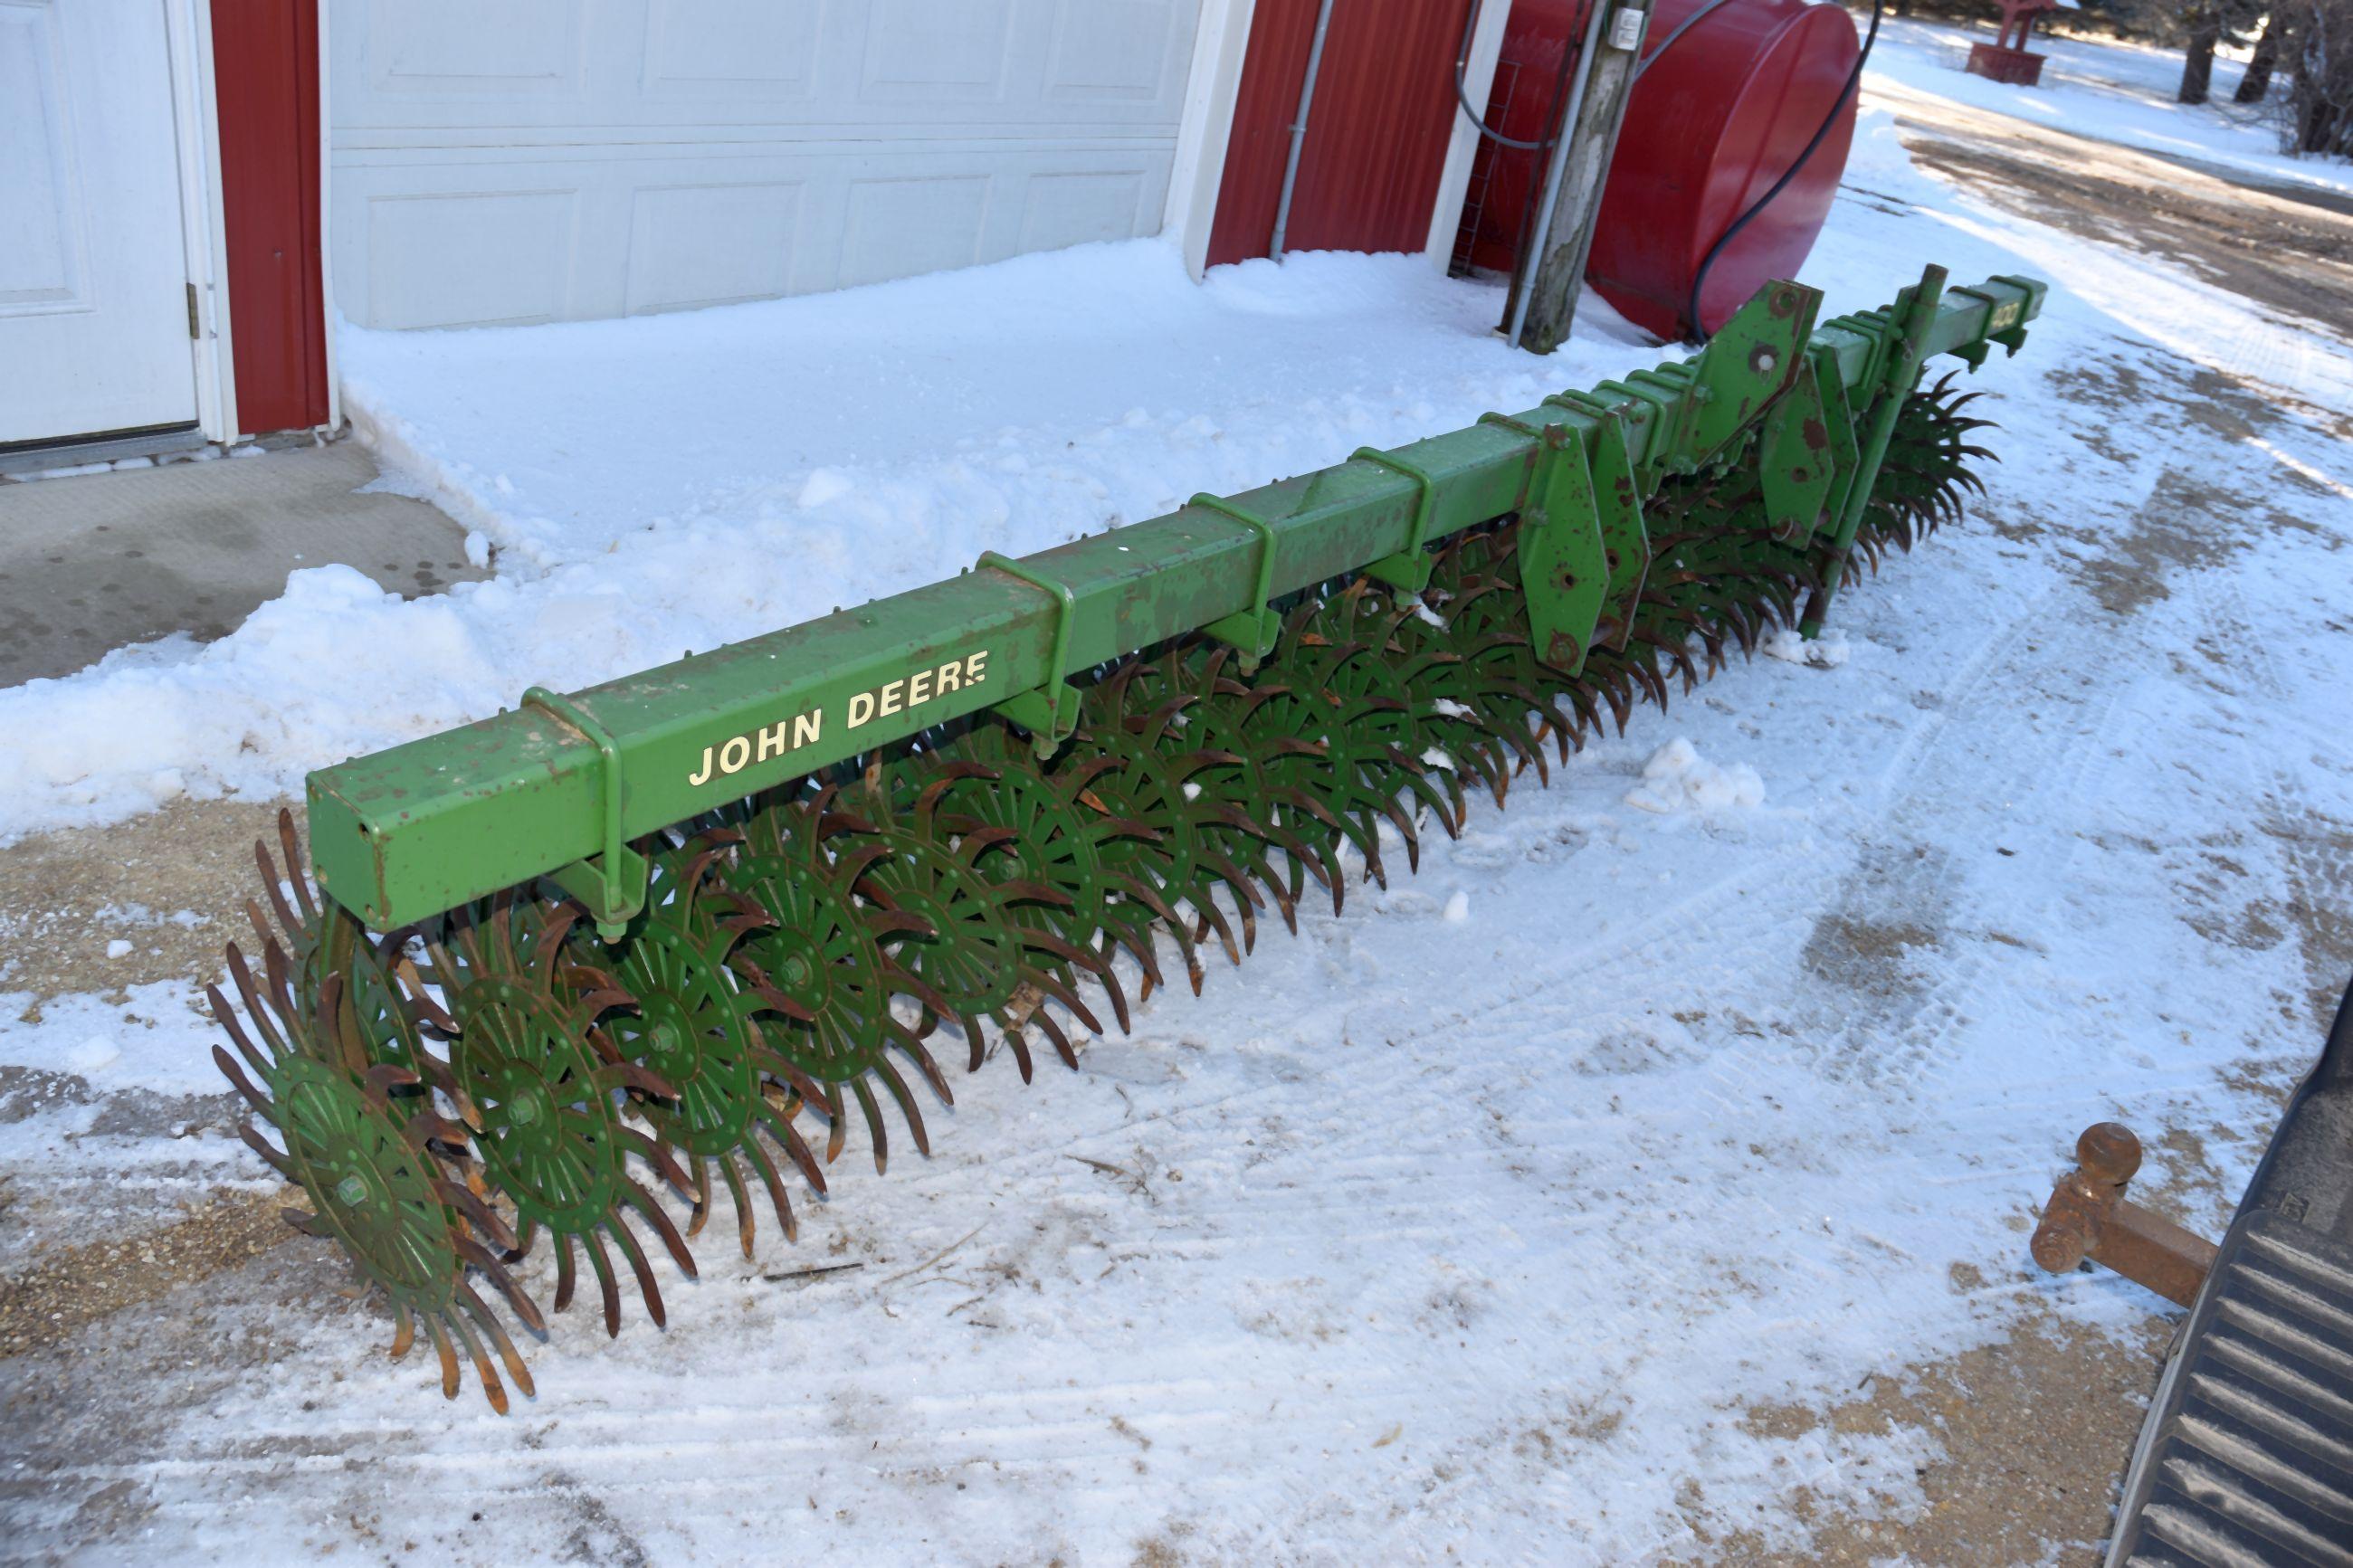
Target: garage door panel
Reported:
point(897, 227)
point(587, 232)
point(928, 50)
point(786, 67)
point(634, 155)
point(692, 246)
point(520, 51)
point(1073, 209)
point(1118, 51)
point(529, 232)
point(760, 50)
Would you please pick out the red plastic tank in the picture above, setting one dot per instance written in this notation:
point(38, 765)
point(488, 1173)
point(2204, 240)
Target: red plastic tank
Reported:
point(1711, 126)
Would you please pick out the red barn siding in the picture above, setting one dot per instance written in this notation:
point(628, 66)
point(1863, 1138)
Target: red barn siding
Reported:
point(1376, 140)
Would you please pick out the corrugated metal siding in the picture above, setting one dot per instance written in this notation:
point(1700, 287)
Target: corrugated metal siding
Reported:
point(1376, 140)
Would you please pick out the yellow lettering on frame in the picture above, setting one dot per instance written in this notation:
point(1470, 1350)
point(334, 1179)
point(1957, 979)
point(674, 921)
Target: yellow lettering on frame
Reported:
point(918, 686)
point(861, 709)
point(772, 740)
point(735, 753)
point(890, 697)
point(975, 668)
point(705, 776)
point(805, 728)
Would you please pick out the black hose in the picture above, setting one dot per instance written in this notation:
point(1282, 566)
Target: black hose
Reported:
point(1463, 93)
point(1854, 79)
point(1462, 68)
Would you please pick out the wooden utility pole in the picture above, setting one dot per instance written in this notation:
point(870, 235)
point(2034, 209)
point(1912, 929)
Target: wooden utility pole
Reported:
point(1545, 300)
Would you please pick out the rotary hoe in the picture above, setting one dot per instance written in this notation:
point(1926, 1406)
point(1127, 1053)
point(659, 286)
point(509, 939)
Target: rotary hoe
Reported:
point(554, 979)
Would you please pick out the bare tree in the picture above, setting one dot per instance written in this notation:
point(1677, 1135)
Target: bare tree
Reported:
point(2257, 82)
point(2320, 101)
point(2204, 23)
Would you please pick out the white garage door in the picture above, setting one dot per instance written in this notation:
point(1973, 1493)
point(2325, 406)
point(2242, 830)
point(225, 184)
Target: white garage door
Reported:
point(540, 160)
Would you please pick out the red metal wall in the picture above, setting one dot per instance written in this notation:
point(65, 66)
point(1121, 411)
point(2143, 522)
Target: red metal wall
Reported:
point(1376, 138)
point(265, 81)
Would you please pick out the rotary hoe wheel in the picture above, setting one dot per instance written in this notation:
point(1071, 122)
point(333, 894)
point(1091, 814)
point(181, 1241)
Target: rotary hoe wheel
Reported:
point(699, 1027)
point(1927, 473)
point(1041, 827)
point(326, 942)
point(376, 1168)
point(821, 962)
point(542, 1085)
point(810, 948)
point(981, 936)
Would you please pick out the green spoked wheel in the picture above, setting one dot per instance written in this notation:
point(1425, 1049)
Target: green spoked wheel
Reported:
point(1928, 469)
point(1494, 671)
point(1041, 833)
point(324, 940)
point(821, 954)
point(369, 1166)
point(1166, 861)
point(698, 1025)
point(976, 933)
point(545, 1128)
point(374, 1192)
point(541, 1085)
point(1255, 732)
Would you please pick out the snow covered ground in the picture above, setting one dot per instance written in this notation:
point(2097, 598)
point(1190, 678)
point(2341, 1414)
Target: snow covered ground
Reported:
point(2108, 91)
point(1476, 1220)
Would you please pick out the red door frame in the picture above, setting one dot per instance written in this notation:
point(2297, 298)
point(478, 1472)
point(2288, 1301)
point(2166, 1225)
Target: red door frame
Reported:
point(266, 84)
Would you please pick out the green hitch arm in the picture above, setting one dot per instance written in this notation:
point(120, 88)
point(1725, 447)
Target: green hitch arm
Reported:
point(559, 786)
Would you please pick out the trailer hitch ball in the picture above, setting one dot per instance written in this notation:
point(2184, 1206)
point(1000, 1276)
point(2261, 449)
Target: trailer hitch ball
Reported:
point(2107, 1157)
point(2089, 1216)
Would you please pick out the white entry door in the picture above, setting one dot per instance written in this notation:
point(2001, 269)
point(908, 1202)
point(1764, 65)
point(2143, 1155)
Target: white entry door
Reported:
point(94, 333)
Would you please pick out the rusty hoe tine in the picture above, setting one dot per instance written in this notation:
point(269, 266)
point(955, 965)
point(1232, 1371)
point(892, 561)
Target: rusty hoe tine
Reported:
point(770, 1179)
point(441, 1348)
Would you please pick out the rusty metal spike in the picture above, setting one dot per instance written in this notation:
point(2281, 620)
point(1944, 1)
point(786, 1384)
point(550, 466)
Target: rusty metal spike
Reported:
point(769, 1178)
point(637, 1197)
point(566, 1274)
point(907, 1106)
point(701, 1210)
point(606, 1283)
point(499, 1340)
point(881, 1140)
point(448, 1356)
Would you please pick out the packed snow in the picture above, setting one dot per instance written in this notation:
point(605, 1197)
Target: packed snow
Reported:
point(1677, 778)
point(1476, 1217)
point(1826, 651)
